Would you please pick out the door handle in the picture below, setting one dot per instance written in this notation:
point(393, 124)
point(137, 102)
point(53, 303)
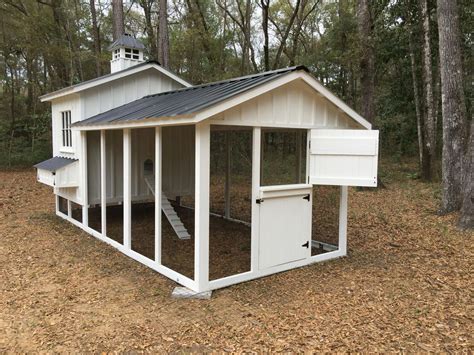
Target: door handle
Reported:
point(306, 245)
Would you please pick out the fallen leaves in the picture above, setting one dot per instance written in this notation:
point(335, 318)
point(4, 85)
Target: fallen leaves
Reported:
point(406, 285)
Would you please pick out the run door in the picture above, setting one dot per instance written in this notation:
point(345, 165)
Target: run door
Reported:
point(285, 224)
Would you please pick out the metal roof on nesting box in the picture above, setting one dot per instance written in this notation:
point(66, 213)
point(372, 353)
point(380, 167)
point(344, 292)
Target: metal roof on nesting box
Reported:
point(55, 163)
point(184, 101)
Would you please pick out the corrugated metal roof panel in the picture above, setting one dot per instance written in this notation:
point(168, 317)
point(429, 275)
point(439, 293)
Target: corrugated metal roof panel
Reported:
point(54, 163)
point(183, 101)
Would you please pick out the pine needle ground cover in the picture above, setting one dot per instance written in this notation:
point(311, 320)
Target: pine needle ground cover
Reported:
point(406, 285)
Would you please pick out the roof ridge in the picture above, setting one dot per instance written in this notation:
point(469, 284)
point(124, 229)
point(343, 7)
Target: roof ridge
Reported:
point(225, 81)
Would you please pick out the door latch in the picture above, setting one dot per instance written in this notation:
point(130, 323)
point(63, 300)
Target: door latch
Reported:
point(259, 201)
point(306, 245)
point(307, 197)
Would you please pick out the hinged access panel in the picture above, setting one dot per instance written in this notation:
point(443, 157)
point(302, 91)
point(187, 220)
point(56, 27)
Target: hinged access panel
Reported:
point(285, 224)
point(343, 157)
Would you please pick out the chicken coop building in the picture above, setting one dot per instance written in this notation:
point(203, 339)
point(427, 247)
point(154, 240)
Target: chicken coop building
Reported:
point(210, 185)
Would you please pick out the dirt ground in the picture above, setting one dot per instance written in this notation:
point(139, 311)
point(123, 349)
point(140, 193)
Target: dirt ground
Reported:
point(406, 285)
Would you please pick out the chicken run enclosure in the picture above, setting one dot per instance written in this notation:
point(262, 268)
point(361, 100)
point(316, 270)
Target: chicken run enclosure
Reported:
point(209, 185)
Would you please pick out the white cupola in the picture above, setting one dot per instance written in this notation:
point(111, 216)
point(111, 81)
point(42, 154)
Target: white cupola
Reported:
point(126, 51)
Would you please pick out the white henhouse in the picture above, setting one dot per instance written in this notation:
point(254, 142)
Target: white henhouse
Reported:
point(210, 185)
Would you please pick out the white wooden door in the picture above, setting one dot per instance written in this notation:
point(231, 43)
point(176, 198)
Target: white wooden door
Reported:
point(285, 224)
point(343, 157)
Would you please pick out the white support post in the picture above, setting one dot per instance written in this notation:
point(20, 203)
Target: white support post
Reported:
point(227, 175)
point(256, 162)
point(343, 221)
point(299, 151)
point(85, 202)
point(201, 223)
point(103, 184)
point(308, 153)
point(56, 200)
point(127, 180)
point(158, 195)
point(69, 209)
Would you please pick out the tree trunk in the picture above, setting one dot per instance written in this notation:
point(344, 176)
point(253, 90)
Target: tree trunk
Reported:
point(117, 23)
point(416, 98)
point(429, 136)
point(266, 58)
point(96, 36)
point(147, 9)
point(367, 61)
point(453, 104)
point(285, 35)
point(163, 37)
point(466, 220)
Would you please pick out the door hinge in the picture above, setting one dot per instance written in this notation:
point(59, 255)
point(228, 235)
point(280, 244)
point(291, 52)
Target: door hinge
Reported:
point(307, 197)
point(259, 201)
point(306, 245)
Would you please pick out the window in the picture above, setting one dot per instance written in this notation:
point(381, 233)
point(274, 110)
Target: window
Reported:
point(66, 128)
point(132, 53)
point(116, 53)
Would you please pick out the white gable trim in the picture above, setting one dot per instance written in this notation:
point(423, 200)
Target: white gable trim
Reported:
point(260, 90)
point(107, 78)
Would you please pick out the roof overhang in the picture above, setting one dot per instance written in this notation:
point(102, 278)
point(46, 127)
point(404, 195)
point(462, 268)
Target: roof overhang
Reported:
point(222, 106)
point(111, 77)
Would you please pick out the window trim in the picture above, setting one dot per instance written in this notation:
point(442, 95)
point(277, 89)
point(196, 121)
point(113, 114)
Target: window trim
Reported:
point(66, 131)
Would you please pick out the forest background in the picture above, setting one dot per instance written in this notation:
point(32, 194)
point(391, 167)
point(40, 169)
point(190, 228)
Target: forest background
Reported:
point(405, 65)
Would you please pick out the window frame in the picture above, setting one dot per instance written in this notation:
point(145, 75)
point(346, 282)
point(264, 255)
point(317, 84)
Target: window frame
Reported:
point(66, 131)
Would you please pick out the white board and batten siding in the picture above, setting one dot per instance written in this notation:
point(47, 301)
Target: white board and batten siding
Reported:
point(343, 157)
point(293, 105)
point(122, 91)
point(69, 103)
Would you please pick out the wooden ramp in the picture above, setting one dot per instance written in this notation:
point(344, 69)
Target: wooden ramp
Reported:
point(168, 210)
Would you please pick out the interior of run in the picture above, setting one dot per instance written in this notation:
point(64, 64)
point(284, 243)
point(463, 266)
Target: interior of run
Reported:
point(230, 199)
point(283, 162)
point(325, 220)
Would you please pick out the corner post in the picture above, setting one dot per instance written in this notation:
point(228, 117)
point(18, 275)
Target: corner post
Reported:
point(201, 227)
point(103, 185)
point(127, 179)
point(343, 220)
point(227, 175)
point(256, 169)
point(85, 202)
point(157, 172)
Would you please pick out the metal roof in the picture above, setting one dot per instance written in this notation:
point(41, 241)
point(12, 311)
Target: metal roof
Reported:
point(54, 163)
point(184, 101)
point(126, 40)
